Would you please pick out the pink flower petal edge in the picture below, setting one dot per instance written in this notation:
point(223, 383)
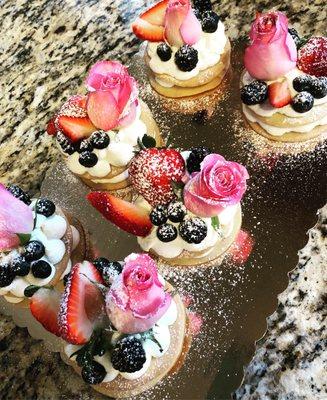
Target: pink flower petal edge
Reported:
point(191, 29)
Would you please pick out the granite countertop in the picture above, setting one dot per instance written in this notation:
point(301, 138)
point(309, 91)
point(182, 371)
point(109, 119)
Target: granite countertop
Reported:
point(46, 48)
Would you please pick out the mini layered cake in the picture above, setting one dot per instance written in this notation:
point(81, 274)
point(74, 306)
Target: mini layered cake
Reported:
point(187, 50)
point(284, 87)
point(123, 327)
point(37, 244)
point(98, 133)
point(188, 211)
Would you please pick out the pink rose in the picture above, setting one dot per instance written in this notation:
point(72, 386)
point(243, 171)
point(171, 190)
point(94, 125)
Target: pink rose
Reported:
point(137, 299)
point(219, 184)
point(15, 217)
point(181, 24)
point(272, 52)
point(113, 95)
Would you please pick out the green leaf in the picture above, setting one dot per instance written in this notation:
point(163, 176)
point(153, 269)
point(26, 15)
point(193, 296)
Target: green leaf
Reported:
point(215, 223)
point(24, 238)
point(148, 141)
point(30, 290)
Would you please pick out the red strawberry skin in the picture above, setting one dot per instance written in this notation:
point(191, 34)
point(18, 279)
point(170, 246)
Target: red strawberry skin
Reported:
point(312, 57)
point(72, 119)
point(125, 215)
point(279, 94)
point(82, 306)
point(44, 306)
point(152, 172)
point(156, 14)
point(146, 31)
point(51, 127)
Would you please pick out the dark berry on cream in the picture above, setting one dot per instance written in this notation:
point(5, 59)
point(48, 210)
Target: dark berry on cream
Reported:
point(93, 373)
point(66, 144)
point(20, 266)
point(176, 211)
point(158, 215)
point(6, 275)
point(302, 83)
point(318, 87)
point(85, 145)
point(302, 102)
point(19, 193)
point(100, 140)
point(186, 58)
point(209, 21)
point(167, 233)
point(193, 230)
point(88, 159)
point(194, 160)
point(34, 250)
point(164, 52)
point(128, 355)
point(41, 269)
point(255, 92)
point(45, 207)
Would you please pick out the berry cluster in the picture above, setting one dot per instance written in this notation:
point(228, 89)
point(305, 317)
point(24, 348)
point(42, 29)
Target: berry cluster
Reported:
point(186, 58)
point(191, 229)
point(195, 158)
point(309, 88)
point(255, 92)
point(98, 140)
point(128, 355)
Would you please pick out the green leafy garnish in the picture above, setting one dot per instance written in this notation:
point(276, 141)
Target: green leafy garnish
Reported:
point(24, 238)
point(30, 290)
point(215, 223)
point(147, 142)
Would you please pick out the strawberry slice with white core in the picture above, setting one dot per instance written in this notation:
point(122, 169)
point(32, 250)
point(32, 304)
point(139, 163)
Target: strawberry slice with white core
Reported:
point(72, 119)
point(279, 94)
point(125, 215)
point(146, 31)
point(82, 307)
point(44, 306)
point(156, 14)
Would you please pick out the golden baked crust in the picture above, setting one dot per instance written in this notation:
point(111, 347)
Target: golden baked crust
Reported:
point(159, 368)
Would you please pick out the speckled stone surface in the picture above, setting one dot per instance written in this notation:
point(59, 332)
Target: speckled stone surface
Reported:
point(46, 48)
point(290, 362)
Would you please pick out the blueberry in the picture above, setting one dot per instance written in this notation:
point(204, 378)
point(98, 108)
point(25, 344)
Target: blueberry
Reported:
point(34, 250)
point(67, 146)
point(45, 207)
point(41, 269)
point(100, 140)
point(6, 275)
point(164, 52)
point(318, 87)
point(93, 373)
point(20, 266)
point(193, 230)
point(88, 159)
point(302, 102)
point(186, 58)
point(19, 193)
point(176, 211)
point(210, 21)
point(302, 83)
point(167, 233)
point(255, 92)
point(158, 215)
point(85, 145)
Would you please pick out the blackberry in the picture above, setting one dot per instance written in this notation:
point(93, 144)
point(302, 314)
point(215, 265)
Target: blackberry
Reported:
point(166, 233)
point(176, 211)
point(186, 58)
point(34, 250)
point(194, 160)
point(302, 83)
point(100, 140)
point(164, 52)
point(302, 102)
point(158, 215)
point(295, 36)
point(66, 144)
point(202, 5)
point(128, 355)
point(6, 275)
point(255, 92)
point(197, 13)
point(193, 230)
point(318, 87)
point(85, 145)
point(19, 193)
point(88, 159)
point(100, 263)
point(111, 271)
point(20, 266)
point(93, 373)
point(45, 207)
point(209, 21)
point(41, 269)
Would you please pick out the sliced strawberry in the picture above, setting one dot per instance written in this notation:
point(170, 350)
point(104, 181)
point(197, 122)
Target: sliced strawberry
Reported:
point(82, 306)
point(73, 121)
point(279, 94)
point(146, 31)
point(51, 127)
point(125, 215)
point(44, 306)
point(156, 14)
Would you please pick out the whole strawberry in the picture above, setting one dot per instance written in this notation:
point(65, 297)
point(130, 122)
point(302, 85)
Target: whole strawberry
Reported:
point(152, 172)
point(312, 57)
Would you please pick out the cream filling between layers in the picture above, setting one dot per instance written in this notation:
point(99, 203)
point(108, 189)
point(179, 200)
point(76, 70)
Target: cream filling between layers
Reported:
point(209, 47)
point(176, 247)
point(119, 152)
point(49, 231)
point(162, 335)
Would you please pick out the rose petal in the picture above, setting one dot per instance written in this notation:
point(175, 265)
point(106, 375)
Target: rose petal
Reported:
point(103, 110)
point(191, 29)
point(129, 118)
point(15, 216)
point(8, 241)
point(176, 13)
point(100, 69)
